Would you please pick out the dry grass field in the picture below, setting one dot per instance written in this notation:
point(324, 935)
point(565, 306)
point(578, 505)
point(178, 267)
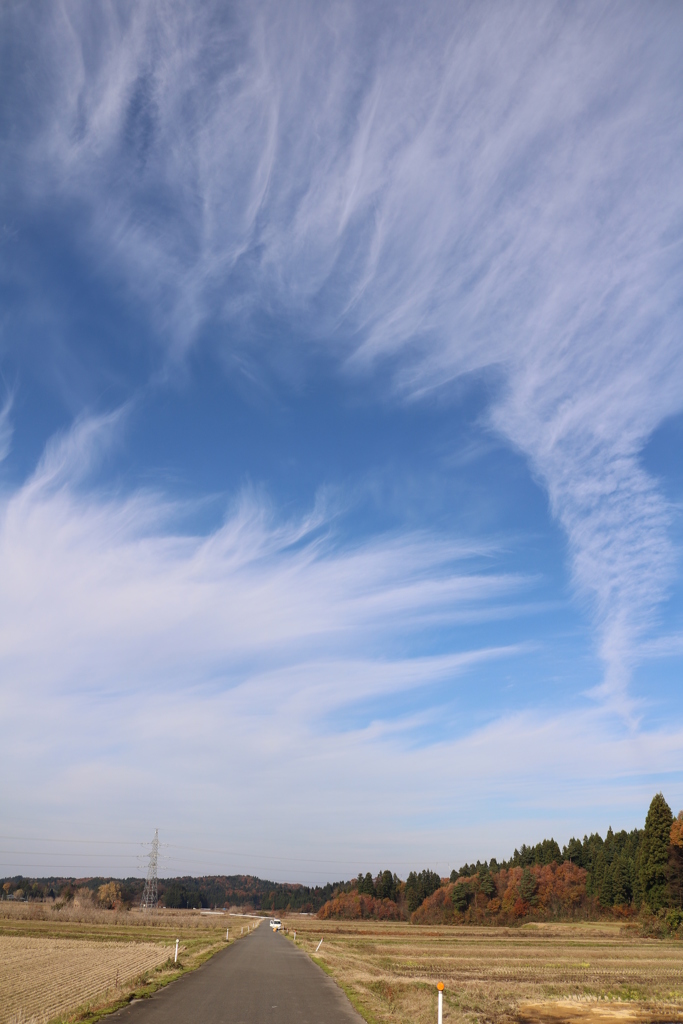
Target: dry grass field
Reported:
point(73, 963)
point(42, 978)
point(540, 974)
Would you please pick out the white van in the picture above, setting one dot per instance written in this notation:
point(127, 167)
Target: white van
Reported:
point(275, 924)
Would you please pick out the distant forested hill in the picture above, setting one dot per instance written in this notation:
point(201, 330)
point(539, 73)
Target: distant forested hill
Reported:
point(245, 890)
point(186, 891)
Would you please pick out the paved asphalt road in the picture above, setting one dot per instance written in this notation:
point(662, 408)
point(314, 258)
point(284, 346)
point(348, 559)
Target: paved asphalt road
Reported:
point(261, 979)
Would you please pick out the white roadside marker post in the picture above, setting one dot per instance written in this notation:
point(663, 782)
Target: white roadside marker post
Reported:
point(227, 934)
point(319, 945)
point(175, 961)
point(440, 988)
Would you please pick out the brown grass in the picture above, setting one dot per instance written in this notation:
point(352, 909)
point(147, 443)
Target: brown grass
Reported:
point(543, 974)
point(76, 962)
point(42, 978)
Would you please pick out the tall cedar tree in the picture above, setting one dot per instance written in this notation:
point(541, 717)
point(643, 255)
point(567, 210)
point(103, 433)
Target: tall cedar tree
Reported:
point(654, 853)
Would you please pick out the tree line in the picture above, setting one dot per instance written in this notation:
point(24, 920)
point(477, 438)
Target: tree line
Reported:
point(625, 870)
point(643, 867)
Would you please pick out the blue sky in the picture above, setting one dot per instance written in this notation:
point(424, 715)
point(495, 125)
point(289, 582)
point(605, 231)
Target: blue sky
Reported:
point(342, 410)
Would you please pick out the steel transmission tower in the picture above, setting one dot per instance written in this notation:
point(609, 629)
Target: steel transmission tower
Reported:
point(149, 896)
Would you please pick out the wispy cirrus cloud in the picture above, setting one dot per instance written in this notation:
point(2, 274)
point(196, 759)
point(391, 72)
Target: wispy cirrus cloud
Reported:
point(234, 664)
point(453, 190)
point(82, 571)
point(128, 647)
point(5, 429)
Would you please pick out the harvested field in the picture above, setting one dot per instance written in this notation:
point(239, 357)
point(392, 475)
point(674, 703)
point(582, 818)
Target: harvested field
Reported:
point(42, 978)
point(584, 974)
point(64, 964)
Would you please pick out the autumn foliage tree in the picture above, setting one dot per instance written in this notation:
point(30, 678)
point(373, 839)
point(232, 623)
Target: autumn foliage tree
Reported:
point(357, 906)
point(675, 863)
point(109, 895)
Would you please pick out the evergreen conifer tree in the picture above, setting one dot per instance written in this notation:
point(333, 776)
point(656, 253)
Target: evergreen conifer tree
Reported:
point(573, 851)
point(606, 896)
point(461, 896)
point(412, 892)
point(620, 886)
point(419, 886)
point(386, 886)
point(365, 884)
point(654, 853)
point(527, 886)
point(486, 883)
point(637, 879)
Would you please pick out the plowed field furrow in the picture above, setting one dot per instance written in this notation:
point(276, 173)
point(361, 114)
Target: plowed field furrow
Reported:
point(41, 978)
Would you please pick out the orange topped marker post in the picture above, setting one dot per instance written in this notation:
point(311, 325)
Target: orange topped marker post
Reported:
point(440, 988)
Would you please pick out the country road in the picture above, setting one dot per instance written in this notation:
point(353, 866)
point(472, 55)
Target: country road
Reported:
point(262, 979)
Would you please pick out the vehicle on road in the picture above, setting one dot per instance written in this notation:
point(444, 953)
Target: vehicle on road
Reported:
point(275, 924)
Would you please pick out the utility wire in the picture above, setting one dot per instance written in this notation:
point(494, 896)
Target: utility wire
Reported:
point(205, 850)
point(97, 842)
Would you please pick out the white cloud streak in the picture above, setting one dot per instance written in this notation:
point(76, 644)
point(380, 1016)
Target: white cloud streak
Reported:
point(132, 653)
point(259, 667)
point(103, 590)
point(5, 429)
point(461, 188)
point(467, 188)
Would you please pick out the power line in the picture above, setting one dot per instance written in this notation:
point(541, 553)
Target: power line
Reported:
point(291, 859)
point(50, 853)
point(95, 842)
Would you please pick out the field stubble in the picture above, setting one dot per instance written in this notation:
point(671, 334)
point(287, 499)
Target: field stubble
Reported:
point(73, 963)
point(583, 974)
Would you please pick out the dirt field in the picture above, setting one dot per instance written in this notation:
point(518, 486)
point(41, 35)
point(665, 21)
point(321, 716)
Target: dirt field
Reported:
point(67, 965)
point(584, 974)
